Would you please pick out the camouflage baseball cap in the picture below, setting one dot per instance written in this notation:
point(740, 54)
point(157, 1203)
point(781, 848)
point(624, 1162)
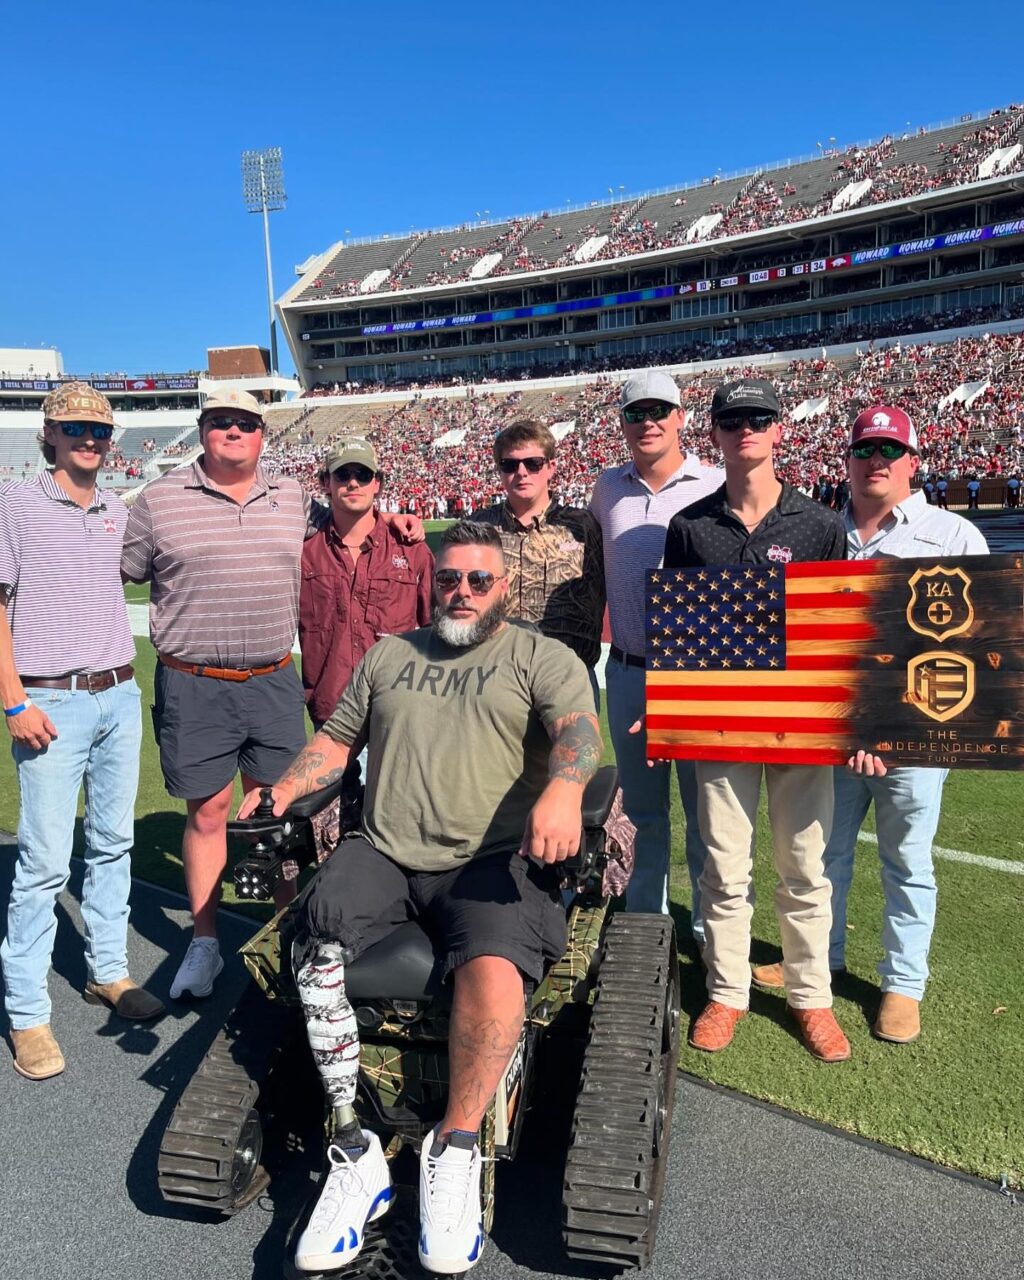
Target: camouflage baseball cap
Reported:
point(231, 399)
point(353, 450)
point(77, 402)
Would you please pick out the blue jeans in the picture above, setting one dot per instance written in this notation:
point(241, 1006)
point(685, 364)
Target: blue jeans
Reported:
point(99, 736)
point(907, 804)
point(645, 799)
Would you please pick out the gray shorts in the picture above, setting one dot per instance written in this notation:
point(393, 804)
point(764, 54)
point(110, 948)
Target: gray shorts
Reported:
point(209, 729)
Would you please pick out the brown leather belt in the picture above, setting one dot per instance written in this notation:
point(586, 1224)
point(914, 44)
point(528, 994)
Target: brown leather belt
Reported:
point(223, 673)
point(90, 682)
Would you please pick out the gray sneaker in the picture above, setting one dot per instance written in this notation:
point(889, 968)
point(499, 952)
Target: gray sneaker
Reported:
point(198, 970)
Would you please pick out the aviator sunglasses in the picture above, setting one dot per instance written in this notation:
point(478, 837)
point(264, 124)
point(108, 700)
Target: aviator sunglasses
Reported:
point(635, 414)
point(734, 421)
point(248, 425)
point(100, 430)
point(510, 466)
point(889, 449)
point(480, 581)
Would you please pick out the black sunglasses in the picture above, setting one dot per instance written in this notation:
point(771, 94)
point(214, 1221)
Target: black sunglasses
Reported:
point(510, 466)
point(356, 471)
point(248, 425)
point(889, 449)
point(655, 413)
point(734, 421)
point(100, 430)
point(480, 581)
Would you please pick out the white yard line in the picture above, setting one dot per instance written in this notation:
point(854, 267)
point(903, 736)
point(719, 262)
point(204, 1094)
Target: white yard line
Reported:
point(960, 855)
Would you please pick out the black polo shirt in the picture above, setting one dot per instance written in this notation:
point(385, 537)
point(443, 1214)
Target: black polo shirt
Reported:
point(708, 532)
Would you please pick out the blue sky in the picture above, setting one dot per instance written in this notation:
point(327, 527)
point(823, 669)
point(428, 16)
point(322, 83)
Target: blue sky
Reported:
point(123, 238)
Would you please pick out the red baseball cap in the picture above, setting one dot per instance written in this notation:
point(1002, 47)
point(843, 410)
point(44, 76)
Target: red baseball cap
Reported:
point(883, 422)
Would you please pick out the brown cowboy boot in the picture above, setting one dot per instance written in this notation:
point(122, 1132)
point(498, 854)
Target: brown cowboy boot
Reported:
point(37, 1055)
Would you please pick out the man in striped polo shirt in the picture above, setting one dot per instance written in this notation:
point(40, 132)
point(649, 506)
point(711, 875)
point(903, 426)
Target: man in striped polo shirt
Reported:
point(633, 504)
point(221, 543)
point(72, 709)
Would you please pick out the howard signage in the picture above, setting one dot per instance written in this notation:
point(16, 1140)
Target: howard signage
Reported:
point(918, 661)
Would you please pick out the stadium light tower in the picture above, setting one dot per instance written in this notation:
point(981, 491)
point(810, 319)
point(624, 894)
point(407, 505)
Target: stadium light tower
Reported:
point(263, 192)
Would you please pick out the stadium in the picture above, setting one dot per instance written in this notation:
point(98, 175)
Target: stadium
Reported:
point(891, 271)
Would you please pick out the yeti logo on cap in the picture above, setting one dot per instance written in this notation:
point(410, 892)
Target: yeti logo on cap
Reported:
point(881, 420)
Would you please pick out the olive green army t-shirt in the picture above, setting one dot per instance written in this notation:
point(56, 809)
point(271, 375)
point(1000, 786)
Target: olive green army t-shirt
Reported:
point(458, 741)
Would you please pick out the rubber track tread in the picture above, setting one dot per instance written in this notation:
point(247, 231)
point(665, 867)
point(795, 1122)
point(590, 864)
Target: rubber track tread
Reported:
point(613, 1180)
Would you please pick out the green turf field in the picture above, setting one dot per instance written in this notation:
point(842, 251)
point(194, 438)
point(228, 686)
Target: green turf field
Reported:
point(957, 1096)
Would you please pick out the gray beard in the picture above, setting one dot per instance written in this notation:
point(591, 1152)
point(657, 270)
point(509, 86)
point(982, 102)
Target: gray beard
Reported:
point(462, 635)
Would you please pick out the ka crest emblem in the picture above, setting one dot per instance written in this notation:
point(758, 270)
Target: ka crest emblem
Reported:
point(941, 684)
point(940, 603)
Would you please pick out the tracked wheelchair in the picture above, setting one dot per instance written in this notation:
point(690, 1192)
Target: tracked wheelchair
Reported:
point(607, 1011)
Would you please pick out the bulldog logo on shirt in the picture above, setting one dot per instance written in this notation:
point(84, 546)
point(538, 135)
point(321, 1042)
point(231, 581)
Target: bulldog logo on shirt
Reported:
point(399, 562)
point(781, 554)
point(109, 525)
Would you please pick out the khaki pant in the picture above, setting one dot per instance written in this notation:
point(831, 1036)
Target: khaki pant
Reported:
point(800, 801)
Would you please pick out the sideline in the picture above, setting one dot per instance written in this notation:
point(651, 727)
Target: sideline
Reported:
point(960, 855)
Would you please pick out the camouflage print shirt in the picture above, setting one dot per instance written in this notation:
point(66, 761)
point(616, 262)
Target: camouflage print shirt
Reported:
point(555, 569)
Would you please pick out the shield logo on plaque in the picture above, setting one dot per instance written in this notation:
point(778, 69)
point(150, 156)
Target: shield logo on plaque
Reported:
point(940, 684)
point(940, 603)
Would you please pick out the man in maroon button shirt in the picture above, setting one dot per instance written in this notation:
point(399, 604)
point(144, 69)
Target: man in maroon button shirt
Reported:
point(358, 581)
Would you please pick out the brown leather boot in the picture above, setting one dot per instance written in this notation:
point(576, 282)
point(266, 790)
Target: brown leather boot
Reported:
point(821, 1034)
point(714, 1029)
point(899, 1018)
point(37, 1055)
point(126, 998)
point(769, 976)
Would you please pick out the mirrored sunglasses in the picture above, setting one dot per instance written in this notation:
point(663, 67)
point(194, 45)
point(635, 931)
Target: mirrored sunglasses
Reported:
point(635, 414)
point(99, 430)
point(480, 581)
point(889, 449)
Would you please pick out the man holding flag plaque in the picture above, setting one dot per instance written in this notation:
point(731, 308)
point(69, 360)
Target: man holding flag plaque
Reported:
point(755, 524)
point(886, 519)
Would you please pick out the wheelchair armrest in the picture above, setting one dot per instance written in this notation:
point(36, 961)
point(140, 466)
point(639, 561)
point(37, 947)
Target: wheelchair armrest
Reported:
point(309, 806)
point(599, 796)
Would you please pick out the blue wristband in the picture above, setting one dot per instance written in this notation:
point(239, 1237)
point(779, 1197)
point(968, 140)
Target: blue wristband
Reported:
point(15, 711)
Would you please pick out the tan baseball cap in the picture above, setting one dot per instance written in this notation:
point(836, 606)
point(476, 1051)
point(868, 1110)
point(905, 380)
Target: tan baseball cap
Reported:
point(77, 402)
point(237, 400)
point(353, 450)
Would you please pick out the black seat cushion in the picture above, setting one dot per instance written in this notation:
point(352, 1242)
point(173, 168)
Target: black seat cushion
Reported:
point(401, 966)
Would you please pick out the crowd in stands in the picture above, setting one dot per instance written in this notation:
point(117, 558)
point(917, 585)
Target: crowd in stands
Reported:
point(981, 436)
point(758, 206)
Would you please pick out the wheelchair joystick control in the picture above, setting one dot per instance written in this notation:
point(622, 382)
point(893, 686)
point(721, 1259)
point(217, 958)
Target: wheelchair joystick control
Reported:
point(265, 808)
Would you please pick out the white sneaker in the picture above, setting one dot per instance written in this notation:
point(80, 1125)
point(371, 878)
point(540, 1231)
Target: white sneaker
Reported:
point(355, 1192)
point(451, 1219)
point(197, 971)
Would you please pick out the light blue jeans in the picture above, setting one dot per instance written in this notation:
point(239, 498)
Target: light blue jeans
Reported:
point(99, 736)
point(645, 798)
point(907, 804)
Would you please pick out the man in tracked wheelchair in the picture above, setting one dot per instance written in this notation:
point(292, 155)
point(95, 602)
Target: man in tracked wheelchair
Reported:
point(482, 738)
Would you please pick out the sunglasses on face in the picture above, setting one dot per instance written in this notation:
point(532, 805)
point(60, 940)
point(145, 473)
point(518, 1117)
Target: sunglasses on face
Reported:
point(510, 466)
point(99, 430)
point(755, 421)
point(248, 425)
point(480, 581)
point(360, 474)
point(889, 449)
point(635, 414)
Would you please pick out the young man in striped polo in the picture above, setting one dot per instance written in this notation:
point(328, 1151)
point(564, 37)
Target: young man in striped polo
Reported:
point(72, 708)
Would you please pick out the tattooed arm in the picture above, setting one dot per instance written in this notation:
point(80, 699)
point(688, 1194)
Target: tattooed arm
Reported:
point(320, 762)
point(555, 825)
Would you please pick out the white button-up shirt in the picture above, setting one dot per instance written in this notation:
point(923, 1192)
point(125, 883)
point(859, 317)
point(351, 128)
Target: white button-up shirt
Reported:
point(913, 528)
